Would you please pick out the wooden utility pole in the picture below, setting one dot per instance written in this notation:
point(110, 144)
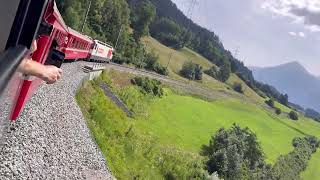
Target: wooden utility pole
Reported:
point(118, 37)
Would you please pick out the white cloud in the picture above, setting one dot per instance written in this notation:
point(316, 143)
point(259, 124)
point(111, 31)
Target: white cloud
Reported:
point(305, 12)
point(292, 33)
point(301, 34)
point(297, 34)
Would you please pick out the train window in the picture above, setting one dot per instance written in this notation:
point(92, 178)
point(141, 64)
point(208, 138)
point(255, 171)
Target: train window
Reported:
point(73, 43)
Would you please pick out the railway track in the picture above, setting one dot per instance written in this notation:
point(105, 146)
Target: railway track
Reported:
point(51, 140)
point(182, 85)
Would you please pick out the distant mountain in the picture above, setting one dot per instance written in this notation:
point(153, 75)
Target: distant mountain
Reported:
point(293, 79)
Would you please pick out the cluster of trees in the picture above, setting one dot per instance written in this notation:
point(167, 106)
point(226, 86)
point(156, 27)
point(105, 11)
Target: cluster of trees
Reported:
point(191, 71)
point(311, 113)
point(148, 86)
point(236, 154)
point(271, 92)
point(222, 74)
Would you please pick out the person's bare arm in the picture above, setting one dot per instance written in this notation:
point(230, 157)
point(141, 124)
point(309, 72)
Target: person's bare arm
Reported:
point(50, 74)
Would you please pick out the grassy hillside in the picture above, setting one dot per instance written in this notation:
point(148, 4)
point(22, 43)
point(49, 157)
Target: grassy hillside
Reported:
point(179, 57)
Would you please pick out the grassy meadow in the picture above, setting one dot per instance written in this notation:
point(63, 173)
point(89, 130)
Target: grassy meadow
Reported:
point(188, 122)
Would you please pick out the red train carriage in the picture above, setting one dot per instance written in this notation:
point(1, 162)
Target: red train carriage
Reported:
point(78, 46)
point(54, 38)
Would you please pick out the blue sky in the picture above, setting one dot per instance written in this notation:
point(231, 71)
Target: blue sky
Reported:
point(266, 32)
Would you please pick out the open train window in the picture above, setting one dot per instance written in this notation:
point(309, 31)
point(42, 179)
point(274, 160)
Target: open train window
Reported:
point(20, 21)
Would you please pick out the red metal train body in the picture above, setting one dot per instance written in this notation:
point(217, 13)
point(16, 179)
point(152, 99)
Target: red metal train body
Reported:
point(74, 45)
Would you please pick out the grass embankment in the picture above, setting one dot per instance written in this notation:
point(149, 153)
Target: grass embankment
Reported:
point(132, 153)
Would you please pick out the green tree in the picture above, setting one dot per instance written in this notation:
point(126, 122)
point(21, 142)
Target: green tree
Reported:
point(238, 88)
point(213, 72)
point(283, 99)
point(270, 103)
point(191, 71)
point(224, 72)
point(293, 115)
point(142, 15)
point(233, 153)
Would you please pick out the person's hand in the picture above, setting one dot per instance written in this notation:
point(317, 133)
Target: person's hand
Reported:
point(34, 46)
point(51, 74)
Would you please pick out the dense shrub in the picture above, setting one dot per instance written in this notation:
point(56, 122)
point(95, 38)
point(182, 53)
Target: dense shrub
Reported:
point(277, 110)
point(270, 103)
point(291, 165)
point(293, 115)
point(149, 86)
point(213, 72)
point(191, 71)
point(152, 63)
point(238, 88)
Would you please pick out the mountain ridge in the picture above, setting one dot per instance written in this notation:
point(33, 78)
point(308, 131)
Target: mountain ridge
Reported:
point(292, 78)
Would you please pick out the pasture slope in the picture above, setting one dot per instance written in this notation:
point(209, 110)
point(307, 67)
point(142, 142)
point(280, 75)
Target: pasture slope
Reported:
point(187, 122)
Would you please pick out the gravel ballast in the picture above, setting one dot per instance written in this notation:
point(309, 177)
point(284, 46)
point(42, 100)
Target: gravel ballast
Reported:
point(50, 139)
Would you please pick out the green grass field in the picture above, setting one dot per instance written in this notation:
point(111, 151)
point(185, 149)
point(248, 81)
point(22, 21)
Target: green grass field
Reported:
point(188, 123)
